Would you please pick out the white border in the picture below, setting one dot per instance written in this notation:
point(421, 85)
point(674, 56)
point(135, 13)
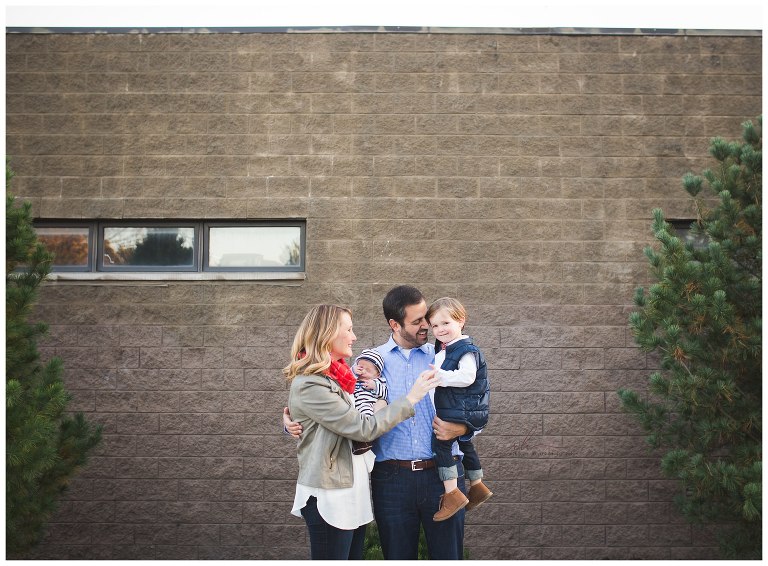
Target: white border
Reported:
point(672, 14)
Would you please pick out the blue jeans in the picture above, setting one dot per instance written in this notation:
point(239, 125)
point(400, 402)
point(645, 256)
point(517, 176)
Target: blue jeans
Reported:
point(326, 542)
point(403, 499)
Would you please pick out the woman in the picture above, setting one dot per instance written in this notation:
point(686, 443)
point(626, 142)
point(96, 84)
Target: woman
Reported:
point(332, 491)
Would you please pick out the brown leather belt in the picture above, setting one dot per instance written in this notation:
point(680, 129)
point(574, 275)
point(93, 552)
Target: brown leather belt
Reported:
point(413, 465)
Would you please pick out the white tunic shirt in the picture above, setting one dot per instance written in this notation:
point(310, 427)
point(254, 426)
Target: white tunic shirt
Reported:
point(344, 508)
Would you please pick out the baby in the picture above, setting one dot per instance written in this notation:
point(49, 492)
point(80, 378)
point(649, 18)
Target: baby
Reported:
point(370, 389)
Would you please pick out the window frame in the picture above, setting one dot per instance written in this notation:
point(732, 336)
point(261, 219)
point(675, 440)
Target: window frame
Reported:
point(101, 240)
point(89, 268)
point(96, 272)
point(263, 224)
point(682, 229)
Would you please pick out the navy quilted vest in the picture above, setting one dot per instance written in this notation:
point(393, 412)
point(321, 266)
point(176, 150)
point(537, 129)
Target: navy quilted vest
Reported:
point(468, 405)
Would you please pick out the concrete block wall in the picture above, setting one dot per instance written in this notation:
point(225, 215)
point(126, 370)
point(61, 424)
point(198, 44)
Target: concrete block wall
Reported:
point(533, 159)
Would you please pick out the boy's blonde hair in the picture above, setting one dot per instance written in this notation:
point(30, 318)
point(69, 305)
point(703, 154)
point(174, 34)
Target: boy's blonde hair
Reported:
point(455, 309)
point(311, 350)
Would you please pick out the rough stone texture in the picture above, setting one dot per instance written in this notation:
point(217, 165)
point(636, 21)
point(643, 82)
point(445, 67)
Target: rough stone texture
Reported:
point(536, 158)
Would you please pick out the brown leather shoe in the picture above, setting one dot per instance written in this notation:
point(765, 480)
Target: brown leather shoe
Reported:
point(478, 494)
point(450, 503)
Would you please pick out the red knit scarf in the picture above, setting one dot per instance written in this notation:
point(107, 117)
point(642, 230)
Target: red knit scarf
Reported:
point(341, 373)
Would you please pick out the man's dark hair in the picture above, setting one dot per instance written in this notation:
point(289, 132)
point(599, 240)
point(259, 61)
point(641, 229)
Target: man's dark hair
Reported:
point(397, 299)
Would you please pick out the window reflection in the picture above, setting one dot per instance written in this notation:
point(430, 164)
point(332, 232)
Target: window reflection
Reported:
point(68, 245)
point(684, 230)
point(148, 246)
point(262, 246)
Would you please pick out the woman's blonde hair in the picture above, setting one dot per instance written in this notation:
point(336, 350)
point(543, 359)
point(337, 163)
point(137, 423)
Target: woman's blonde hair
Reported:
point(311, 350)
point(455, 309)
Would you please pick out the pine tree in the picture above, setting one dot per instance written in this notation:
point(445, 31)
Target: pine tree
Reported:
point(703, 318)
point(44, 446)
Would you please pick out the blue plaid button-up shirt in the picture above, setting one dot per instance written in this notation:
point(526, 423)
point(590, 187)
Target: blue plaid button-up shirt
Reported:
point(412, 438)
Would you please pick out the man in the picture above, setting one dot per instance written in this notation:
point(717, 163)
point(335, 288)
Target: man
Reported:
point(405, 486)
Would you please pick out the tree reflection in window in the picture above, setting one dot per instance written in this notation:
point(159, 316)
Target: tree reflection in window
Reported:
point(164, 246)
point(292, 253)
point(69, 246)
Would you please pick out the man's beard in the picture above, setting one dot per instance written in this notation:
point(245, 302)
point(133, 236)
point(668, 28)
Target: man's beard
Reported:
point(414, 340)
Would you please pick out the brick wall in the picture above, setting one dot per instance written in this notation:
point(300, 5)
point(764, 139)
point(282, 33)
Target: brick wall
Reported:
point(537, 158)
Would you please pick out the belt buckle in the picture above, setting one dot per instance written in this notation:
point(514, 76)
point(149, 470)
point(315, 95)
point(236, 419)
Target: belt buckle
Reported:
point(413, 466)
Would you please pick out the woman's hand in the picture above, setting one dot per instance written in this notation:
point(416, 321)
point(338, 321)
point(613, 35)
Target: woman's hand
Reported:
point(293, 428)
point(426, 381)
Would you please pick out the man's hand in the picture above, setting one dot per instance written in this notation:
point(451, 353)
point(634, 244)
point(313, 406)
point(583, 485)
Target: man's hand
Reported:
point(293, 428)
point(445, 430)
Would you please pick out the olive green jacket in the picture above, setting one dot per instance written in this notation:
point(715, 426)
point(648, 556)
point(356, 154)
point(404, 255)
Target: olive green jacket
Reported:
point(329, 420)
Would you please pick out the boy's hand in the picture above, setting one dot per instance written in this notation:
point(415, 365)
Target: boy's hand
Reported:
point(369, 384)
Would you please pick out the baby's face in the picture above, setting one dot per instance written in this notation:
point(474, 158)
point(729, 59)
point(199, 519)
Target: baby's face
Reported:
point(365, 369)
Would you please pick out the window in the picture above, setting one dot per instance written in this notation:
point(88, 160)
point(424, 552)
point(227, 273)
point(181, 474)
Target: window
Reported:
point(147, 248)
point(174, 247)
point(253, 247)
point(70, 246)
point(682, 229)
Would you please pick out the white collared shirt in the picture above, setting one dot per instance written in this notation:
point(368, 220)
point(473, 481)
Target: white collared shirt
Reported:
point(466, 373)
